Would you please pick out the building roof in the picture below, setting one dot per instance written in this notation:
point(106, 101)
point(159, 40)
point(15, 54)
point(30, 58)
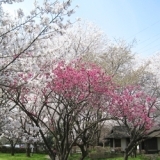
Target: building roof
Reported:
point(156, 131)
point(154, 134)
point(118, 132)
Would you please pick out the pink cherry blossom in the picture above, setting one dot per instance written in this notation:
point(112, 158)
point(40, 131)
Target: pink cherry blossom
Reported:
point(133, 106)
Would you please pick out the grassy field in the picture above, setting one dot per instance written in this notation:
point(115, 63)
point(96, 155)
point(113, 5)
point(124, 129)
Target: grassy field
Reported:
point(22, 156)
point(140, 157)
point(121, 158)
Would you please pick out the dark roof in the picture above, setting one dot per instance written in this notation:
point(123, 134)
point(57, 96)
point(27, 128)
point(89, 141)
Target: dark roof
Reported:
point(118, 132)
point(121, 132)
point(156, 132)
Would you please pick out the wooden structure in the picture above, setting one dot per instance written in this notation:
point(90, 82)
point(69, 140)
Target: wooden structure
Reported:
point(119, 139)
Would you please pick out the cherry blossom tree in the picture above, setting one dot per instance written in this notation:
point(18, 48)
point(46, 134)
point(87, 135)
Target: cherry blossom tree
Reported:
point(12, 130)
point(90, 116)
point(30, 134)
point(10, 1)
point(23, 34)
point(149, 81)
point(57, 100)
point(50, 38)
point(4, 109)
point(119, 61)
point(135, 110)
point(82, 38)
point(152, 78)
point(18, 128)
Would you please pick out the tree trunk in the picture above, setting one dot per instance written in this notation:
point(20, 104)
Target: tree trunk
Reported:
point(35, 148)
point(135, 152)
point(84, 155)
point(12, 151)
point(140, 148)
point(52, 156)
point(84, 151)
point(12, 148)
point(28, 150)
point(63, 156)
point(125, 156)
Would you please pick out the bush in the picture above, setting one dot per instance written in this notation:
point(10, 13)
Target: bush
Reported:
point(96, 156)
point(4, 149)
point(100, 149)
point(100, 153)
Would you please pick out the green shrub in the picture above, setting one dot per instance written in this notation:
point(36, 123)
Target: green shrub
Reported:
point(101, 155)
point(4, 149)
point(100, 149)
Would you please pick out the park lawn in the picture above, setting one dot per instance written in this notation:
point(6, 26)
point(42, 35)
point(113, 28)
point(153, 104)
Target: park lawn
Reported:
point(22, 156)
point(76, 157)
point(121, 158)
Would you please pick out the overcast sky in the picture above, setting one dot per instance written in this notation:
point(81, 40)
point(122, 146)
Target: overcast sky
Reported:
point(125, 19)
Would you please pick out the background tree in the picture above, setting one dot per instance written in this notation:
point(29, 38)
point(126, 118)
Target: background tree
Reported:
point(12, 130)
point(119, 61)
point(30, 134)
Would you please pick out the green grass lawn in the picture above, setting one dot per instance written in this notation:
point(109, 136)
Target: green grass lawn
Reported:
point(121, 158)
point(22, 156)
point(76, 157)
point(139, 157)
